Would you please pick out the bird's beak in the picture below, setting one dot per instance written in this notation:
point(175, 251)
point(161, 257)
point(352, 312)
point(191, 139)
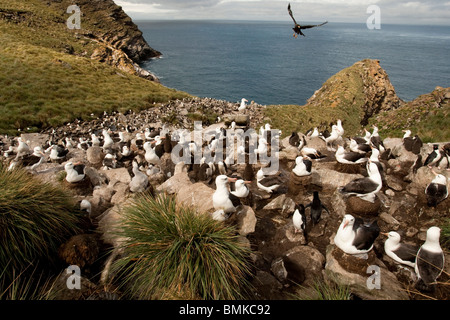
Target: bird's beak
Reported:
point(79, 162)
point(384, 234)
point(247, 182)
point(345, 224)
point(232, 179)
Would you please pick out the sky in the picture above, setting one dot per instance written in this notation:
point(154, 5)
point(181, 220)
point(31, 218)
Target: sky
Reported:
point(391, 11)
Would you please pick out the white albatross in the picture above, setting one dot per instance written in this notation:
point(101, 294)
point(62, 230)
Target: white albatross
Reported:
point(222, 198)
point(403, 253)
point(354, 236)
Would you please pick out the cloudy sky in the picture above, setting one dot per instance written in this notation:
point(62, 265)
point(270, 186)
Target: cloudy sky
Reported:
point(392, 11)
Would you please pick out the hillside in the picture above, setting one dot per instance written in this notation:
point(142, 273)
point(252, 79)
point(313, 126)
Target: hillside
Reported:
point(50, 74)
point(362, 95)
point(428, 116)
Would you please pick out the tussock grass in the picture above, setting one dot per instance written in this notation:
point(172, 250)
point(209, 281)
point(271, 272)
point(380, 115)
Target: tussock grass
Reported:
point(173, 252)
point(35, 218)
point(323, 290)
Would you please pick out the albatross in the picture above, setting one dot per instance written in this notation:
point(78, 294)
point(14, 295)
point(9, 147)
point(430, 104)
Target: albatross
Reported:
point(355, 236)
point(222, 198)
point(436, 191)
point(430, 260)
point(75, 172)
point(243, 105)
point(269, 183)
point(302, 167)
point(403, 253)
point(298, 28)
point(367, 187)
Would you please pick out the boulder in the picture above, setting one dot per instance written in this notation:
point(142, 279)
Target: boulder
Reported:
point(179, 180)
point(119, 174)
point(239, 119)
point(95, 156)
point(283, 204)
point(266, 285)
point(300, 265)
point(331, 180)
point(59, 289)
point(245, 220)
point(97, 179)
point(289, 153)
point(109, 221)
point(35, 139)
point(368, 279)
point(197, 195)
point(298, 184)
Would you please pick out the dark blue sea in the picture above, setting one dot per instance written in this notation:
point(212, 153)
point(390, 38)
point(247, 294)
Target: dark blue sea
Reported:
point(261, 61)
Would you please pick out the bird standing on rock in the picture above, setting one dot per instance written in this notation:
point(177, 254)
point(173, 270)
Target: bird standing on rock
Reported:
point(434, 157)
point(436, 191)
point(403, 253)
point(243, 106)
point(139, 182)
point(316, 208)
point(430, 261)
point(299, 218)
point(222, 198)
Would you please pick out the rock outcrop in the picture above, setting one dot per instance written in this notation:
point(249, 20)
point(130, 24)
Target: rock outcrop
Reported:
point(365, 85)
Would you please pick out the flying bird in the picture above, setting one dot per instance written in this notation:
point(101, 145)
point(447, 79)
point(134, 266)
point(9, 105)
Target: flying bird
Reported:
point(298, 28)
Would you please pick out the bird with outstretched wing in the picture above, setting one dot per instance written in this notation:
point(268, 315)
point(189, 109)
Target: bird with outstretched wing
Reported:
point(298, 28)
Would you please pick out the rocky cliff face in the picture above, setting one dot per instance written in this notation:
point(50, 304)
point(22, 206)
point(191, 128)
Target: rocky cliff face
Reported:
point(106, 21)
point(365, 85)
point(107, 33)
point(119, 41)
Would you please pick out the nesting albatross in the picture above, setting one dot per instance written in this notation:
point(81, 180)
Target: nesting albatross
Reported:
point(354, 236)
point(367, 187)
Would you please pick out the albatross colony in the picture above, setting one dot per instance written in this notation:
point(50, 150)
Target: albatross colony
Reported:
point(144, 146)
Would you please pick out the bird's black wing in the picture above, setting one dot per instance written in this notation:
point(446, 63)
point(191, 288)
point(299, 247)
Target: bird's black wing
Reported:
point(290, 13)
point(407, 252)
point(313, 25)
point(235, 200)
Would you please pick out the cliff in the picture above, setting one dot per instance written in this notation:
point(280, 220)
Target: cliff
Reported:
point(365, 85)
point(107, 33)
point(52, 75)
point(361, 96)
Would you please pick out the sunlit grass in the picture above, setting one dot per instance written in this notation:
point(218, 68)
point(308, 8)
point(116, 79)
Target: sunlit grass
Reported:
point(42, 85)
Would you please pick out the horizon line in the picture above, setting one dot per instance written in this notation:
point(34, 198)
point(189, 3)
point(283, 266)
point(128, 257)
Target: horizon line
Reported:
point(275, 21)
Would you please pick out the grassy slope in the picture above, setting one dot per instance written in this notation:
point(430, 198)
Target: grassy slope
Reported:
point(427, 116)
point(42, 85)
point(343, 103)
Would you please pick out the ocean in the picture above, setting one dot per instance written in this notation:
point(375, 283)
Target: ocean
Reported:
point(263, 62)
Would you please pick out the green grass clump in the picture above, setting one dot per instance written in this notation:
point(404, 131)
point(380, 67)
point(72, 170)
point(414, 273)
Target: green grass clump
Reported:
point(324, 290)
point(445, 233)
point(173, 252)
point(35, 218)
